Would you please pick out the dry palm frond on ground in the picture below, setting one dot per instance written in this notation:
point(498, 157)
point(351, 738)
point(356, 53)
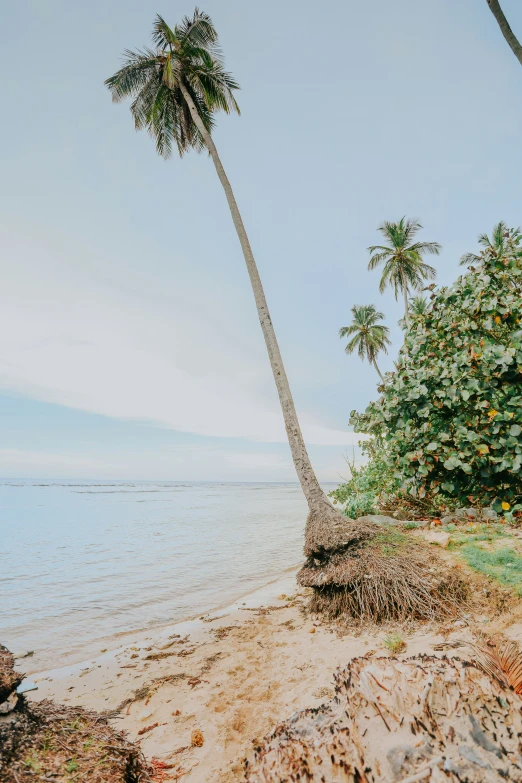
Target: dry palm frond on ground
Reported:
point(502, 660)
point(48, 741)
point(386, 576)
point(51, 742)
point(420, 719)
point(9, 679)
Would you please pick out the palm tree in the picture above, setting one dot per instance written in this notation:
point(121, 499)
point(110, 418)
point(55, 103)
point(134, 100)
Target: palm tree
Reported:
point(176, 89)
point(496, 244)
point(369, 337)
point(418, 305)
point(507, 32)
point(402, 258)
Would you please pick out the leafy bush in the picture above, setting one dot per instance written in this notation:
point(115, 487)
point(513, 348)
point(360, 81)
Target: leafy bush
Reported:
point(450, 417)
point(363, 492)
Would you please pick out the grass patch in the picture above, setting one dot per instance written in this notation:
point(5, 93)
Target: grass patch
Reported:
point(394, 642)
point(504, 565)
point(389, 541)
point(477, 533)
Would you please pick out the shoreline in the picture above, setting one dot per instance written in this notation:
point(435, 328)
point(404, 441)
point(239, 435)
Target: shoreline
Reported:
point(110, 646)
point(51, 659)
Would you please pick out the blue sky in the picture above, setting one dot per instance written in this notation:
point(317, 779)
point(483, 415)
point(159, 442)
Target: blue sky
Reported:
point(129, 341)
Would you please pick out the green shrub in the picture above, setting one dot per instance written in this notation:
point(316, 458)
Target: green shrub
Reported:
point(362, 494)
point(450, 417)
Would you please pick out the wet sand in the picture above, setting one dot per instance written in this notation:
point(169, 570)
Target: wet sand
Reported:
point(225, 679)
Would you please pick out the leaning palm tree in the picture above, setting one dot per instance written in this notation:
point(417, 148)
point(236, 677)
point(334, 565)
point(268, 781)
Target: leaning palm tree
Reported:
point(369, 337)
point(176, 89)
point(505, 29)
point(496, 244)
point(402, 258)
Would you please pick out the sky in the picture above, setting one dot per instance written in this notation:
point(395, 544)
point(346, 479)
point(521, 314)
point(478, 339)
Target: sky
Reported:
point(129, 341)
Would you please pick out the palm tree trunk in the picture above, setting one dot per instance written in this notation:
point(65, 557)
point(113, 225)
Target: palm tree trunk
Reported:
point(321, 509)
point(377, 368)
point(506, 30)
point(405, 294)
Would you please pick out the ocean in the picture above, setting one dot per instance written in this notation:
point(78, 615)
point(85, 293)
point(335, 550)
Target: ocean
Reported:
point(83, 560)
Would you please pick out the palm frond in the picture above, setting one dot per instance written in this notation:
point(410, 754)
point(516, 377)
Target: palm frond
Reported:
point(469, 258)
point(138, 68)
point(211, 80)
point(199, 30)
point(346, 331)
point(378, 258)
point(499, 234)
point(432, 248)
point(162, 35)
point(502, 660)
point(143, 104)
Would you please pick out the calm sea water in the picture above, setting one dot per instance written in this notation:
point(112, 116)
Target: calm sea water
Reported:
point(83, 560)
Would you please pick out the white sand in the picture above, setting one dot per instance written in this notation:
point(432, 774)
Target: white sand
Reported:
point(233, 685)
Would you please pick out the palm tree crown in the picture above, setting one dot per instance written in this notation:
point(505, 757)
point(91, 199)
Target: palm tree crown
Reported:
point(186, 59)
point(402, 258)
point(496, 244)
point(368, 336)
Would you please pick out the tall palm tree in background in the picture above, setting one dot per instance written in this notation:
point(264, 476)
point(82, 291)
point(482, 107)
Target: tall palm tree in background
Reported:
point(368, 336)
point(497, 243)
point(506, 30)
point(176, 89)
point(402, 258)
point(418, 305)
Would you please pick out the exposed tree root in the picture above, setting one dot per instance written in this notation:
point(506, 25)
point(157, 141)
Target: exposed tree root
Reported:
point(422, 719)
point(386, 577)
point(327, 530)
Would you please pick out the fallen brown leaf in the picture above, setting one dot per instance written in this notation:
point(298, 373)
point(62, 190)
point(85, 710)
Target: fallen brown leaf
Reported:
point(145, 729)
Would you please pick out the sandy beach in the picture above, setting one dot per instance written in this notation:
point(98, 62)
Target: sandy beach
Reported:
point(197, 695)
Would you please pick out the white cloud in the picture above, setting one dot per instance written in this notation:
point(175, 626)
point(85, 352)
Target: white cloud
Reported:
point(68, 339)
